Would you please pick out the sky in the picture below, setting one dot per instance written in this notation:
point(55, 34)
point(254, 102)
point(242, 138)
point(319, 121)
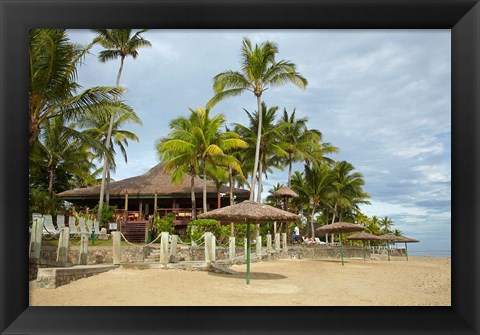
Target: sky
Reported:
point(382, 96)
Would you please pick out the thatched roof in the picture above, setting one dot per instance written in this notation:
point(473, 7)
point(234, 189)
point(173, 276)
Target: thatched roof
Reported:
point(285, 191)
point(340, 227)
point(362, 236)
point(249, 211)
point(390, 237)
point(406, 239)
point(154, 181)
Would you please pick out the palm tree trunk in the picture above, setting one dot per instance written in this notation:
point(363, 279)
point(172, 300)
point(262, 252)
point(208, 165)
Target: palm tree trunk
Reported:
point(50, 181)
point(232, 184)
point(260, 172)
point(107, 190)
point(194, 203)
point(290, 172)
point(257, 148)
point(107, 146)
point(311, 223)
point(334, 212)
point(204, 188)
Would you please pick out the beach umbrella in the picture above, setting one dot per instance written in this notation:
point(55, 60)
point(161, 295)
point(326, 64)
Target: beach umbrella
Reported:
point(285, 192)
point(363, 237)
point(340, 227)
point(406, 240)
point(249, 212)
point(388, 238)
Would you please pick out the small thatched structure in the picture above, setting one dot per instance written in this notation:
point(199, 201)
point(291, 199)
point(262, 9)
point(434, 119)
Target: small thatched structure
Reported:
point(406, 240)
point(340, 227)
point(249, 212)
point(285, 191)
point(363, 237)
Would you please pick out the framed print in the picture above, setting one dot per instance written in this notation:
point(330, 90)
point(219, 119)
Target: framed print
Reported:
point(461, 18)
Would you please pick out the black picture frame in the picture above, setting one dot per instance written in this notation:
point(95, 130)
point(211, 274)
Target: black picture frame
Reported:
point(17, 17)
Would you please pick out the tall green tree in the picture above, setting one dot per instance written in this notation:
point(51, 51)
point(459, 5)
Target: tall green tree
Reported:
point(118, 43)
point(386, 224)
point(259, 71)
point(53, 90)
point(271, 150)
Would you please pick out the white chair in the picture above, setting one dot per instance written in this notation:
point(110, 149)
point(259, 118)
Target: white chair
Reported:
point(81, 225)
point(74, 232)
point(48, 227)
point(89, 226)
point(318, 241)
point(60, 221)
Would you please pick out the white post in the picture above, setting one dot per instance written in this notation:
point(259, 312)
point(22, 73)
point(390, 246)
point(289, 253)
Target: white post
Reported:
point(36, 238)
point(259, 246)
point(231, 248)
point(274, 228)
point(117, 251)
point(326, 237)
point(62, 249)
point(164, 248)
point(277, 241)
point(214, 246)
point(269, 242)
point(245, 246)
point(208, 247)
point(82, 258)
point(284, 241)
point(173, 246)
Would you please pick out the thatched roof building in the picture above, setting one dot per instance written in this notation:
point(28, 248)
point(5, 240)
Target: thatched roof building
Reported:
point(154, 189)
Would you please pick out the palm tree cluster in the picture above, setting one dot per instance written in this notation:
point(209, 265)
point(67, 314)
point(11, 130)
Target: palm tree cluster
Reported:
point(69, 126)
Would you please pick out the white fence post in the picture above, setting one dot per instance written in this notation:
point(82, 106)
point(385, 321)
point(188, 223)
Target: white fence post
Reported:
point(269, 242)
point(164, 248)
point(62, 249)
point(231, 248)
point(277, 241)
point(284, 241)
point(36, 238)
point(83, 256)
point(259, 245)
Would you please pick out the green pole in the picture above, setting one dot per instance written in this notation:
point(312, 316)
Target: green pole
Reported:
point(341, 246)
point(363, 250)
point(93, 235)
point(406, 253)
point(248, 253)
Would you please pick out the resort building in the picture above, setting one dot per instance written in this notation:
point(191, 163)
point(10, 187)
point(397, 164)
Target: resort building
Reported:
point(154, 192)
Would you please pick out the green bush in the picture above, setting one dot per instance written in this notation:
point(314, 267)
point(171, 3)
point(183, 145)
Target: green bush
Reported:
point(165, 224)
point(196, 228)
point(107, 215)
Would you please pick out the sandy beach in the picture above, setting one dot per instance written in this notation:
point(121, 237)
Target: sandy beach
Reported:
point(420, 281)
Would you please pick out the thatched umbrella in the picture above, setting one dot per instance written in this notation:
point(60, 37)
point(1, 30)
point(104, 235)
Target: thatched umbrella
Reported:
point(246, 212)
point(340, 227)
point(406, 240)
point(389, 238)
point(285, 192)
point(363, 237)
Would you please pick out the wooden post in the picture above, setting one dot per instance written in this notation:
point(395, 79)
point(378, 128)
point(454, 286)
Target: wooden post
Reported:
point(83, 257)
point(269, 242)
point(140, 209)
point(231, 248)
point(155, 205)
point(125, 213)
point(36, 238)
point(62, 249)
point(248, 253)
point(259, 246)
point(208, 247)
point(116, 244)
point(164, 248)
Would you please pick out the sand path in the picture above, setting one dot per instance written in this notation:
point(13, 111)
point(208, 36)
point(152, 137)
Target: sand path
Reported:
point(420, 281)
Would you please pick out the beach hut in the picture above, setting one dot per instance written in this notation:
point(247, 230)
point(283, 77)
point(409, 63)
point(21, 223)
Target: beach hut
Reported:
point(286, 193)
point(406, 240)
point(363, 237)
point(248, 212)
point(388, 238)
point(340, 227)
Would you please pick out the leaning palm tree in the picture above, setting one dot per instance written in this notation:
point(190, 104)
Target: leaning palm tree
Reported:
point(259, 72)
point(53, 90)
point(118, 43)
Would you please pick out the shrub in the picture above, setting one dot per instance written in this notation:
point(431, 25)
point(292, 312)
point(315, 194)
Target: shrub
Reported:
point(165, 224)
point(196, 228)
point(107, 215)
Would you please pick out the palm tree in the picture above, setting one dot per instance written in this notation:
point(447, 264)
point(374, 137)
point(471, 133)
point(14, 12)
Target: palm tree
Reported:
point(386, 224)
point(53, 90)
point(97, 126)
point(318, 188)
point(179, 155)
point(259, 72)
point(63, 147)
point(118, 43)
point(348, 189)
point(271, 150)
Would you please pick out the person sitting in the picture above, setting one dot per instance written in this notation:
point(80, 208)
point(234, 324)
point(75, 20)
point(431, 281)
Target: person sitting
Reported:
point(293, 238)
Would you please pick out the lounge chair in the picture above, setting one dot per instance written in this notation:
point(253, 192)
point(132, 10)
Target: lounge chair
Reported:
point(89, 225)
point(60, 221)
point(318, 241)
point(49, 229)
point(74, 232)
point(81, 225)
